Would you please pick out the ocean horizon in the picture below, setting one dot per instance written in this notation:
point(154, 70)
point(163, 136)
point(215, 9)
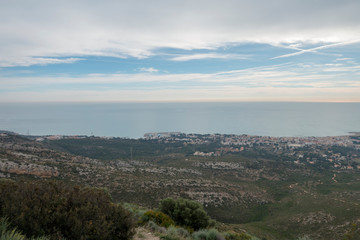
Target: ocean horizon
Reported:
point(133, 120)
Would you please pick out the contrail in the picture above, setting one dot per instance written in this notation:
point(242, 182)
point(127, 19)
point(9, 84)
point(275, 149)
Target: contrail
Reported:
point(301, 51)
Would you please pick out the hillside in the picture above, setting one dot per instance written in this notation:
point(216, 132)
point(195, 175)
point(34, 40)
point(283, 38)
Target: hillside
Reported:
point(273, 188)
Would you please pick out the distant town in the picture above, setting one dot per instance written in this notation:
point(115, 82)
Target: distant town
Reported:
point(341, 152)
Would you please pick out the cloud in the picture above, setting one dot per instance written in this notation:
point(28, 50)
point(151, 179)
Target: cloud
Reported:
point(28, 61)
point(315, 49)
point(48, 29)
point(283, 82)
point(149, 70)
point(342, 69)
point(291, 76)
point(208, 56)
point(344, 59)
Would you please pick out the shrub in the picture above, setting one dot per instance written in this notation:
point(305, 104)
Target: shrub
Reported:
point(171, 234)
point(153, 226)
point(158, 217)
point(185, 213)
point(175, 233)
point(200, 235)
point(12, 234)
point(354, 232)
point(172, 231)
point(136, 211)
point(9, 234)
point(41, 208)
point(42, 238)
point(211, 234)
point(236, 236)
point(183, 232)
point(168, 237)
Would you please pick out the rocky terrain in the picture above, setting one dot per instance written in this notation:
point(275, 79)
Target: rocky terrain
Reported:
point(267, 194)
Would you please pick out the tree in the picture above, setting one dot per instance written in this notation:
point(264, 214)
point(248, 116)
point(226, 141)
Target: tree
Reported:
point(40, 208)
point(185, 212)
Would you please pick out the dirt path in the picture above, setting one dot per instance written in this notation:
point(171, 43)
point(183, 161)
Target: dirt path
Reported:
point(333, 178)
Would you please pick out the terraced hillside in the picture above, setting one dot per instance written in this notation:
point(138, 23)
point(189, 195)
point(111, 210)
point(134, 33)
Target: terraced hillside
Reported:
point(264, 190)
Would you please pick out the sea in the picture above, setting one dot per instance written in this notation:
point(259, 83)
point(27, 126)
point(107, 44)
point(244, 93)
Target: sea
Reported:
point(133, 120)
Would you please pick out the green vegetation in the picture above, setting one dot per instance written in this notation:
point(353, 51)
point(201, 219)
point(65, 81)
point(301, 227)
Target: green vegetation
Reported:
point(264, 190)
point(353, 233)
point(185, 212)
point(40, 208)
point(158, 217)
point(211, 234)
point(8, 233)
point(119, 148)
point(178, 233)
point(237, 236)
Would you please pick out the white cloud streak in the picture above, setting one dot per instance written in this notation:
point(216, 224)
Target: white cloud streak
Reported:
point(28, 61)
point(328, 75)
point(208, 56)
point(149, 70)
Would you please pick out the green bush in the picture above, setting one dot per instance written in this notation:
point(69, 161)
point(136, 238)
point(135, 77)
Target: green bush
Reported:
point(236, 236)
point(158, 217)
point(211, 234)
point(41, 208)
point(12, 234)
point(185, 213)
point(153, 226)
point(171, 234)
point(175, 233)
point(182, 232)
point(168, 237)
point(136, 211)
point(156, 228)
point(354, 232)
point(9, 234)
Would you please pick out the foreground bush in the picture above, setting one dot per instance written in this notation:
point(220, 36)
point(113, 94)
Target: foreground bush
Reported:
point(178, 233)
point(6, 233)
point(170, 233)
point(155, 228)
point(210, 234)
point(50, 208)
point(9, 234)
point(236, 236)
point(158, 217)
point(185, 212)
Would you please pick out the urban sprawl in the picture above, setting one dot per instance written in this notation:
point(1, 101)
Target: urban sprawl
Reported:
point(341, 152)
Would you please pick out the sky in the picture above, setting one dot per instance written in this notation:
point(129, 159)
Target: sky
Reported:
point(171, 50)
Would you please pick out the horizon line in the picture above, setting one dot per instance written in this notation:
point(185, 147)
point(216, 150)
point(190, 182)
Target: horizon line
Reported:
point(191, 101)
